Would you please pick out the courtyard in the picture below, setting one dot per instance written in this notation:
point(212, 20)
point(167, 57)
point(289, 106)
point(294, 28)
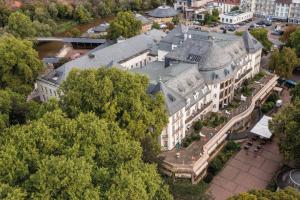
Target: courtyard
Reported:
point(247, 170)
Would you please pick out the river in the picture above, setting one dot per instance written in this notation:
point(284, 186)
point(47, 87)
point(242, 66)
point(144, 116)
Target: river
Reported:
point(52, 48)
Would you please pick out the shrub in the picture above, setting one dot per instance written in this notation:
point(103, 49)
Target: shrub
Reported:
point(195, 137)
point(225, 154)
point(232, 146)
point(208, 178)
point(267, 106)
point(215, 165)
point(273, 97)
point(198, 125)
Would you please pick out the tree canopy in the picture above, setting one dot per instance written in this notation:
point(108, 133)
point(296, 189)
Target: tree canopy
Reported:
point(82, 158)
point(20, 25)
point(125, 24)
point(288, 193)
point(117, 96)
point(295, 40)
point(284, 62)
point(261, 35)
point(20, 64)
point(295, 92)
point(286, 126)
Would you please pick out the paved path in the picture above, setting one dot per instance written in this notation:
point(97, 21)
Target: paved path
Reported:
point(246, 171)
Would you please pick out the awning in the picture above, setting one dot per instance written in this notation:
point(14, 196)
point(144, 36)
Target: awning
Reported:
point(262, 127)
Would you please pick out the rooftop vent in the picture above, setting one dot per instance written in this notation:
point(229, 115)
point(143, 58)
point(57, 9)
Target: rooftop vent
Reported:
point(91, 55)
point(171, 98)
point(194, 58)
point(189, 82)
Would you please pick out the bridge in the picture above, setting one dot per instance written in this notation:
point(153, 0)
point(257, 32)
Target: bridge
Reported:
point(77, 42)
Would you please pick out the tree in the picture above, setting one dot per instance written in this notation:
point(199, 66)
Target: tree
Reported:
point(82, 15)
point(20, 64)
point(234, 8)
point(155, 25)
point(20, 25)
point(295, 92)
point(74, 32)
point(175, 20)
point(261, 35)
point(295, 40)
point(208, 19)
point(287, 34)
point(4, 14)
point(116, 96)
point(42, 29)
point(82, 158)
point(125, 24)
point(286, 126)
point(288, 193)
point(284, 62)
point(215, 14)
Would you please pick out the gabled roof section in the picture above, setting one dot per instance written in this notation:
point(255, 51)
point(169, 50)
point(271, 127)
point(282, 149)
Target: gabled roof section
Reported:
point(174, 102)
point(251, 44)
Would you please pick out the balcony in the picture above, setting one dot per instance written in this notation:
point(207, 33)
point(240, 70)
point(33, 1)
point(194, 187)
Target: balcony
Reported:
point(243, 75)
point(196, 113)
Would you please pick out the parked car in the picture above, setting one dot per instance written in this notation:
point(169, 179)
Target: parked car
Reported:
point(267, 22)
point(241, 23)
point(260, 23)
point(277, 32)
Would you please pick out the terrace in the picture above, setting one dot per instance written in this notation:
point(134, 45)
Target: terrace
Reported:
point(191, 161)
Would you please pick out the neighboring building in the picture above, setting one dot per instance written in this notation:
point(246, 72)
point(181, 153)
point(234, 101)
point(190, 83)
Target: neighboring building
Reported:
point(196, 71)
point(183, 5)
point(100, 29)
point(235, 17)
point(226, 5)
point(146, 23)
point(287, 10)
point(134, 52)
point(163, 14)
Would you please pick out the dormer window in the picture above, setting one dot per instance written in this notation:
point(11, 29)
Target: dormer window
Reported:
point(196, 95)
point(188, 101)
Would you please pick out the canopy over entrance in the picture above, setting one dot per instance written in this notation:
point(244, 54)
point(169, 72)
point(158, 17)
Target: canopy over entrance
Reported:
point(261, 128)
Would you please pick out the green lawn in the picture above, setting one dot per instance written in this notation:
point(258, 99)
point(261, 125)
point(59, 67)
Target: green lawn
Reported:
point(63, 26)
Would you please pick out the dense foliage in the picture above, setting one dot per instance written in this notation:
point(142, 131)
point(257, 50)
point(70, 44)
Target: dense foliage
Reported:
point(288, 193)
point(82, 158)
point(220, 160)
point(46, 18)
point(125, 24)
point(286, 126)
point(295, 92)
point(19, 64)
point(261, 35)
point(284, 62)
point(116, 96)
point(294, 40)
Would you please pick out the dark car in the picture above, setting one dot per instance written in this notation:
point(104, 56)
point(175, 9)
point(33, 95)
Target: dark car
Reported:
point(268, 23)
point(231, 28)
point(260, 23)
point(241, 23)
point(277, 32)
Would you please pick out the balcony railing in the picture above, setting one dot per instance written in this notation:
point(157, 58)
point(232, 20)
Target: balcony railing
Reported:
point(197, 113)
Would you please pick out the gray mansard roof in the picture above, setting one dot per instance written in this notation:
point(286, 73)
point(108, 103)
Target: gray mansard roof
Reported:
point(111, 55)
point(251, 44)
point(178, 82)
point(163, 12)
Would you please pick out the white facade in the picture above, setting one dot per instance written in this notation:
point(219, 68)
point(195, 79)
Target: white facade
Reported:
point(225, 7)
point(281, 10)
point(235, 17)
point(278, 9)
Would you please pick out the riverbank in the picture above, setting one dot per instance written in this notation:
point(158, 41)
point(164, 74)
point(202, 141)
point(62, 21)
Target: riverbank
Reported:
point(50, 49)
